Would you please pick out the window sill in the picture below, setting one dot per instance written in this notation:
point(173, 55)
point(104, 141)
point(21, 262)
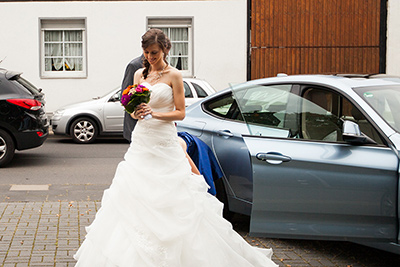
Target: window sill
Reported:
point(76, 75)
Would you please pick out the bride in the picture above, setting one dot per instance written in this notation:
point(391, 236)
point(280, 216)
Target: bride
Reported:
point(157, 211)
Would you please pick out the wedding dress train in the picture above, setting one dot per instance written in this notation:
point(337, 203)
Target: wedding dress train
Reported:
point(157, 213)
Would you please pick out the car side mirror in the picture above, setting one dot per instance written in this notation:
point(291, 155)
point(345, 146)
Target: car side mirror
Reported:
point(353, 135)
point(114, 98)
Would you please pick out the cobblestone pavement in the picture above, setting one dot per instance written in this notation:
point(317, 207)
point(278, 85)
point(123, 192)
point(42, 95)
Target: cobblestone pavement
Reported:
point(48, 233)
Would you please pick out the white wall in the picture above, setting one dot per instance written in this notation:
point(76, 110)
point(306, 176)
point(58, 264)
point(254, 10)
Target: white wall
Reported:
point(393, 38)
point(113, 33)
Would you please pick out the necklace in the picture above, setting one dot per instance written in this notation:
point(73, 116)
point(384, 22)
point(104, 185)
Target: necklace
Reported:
point(156, 76)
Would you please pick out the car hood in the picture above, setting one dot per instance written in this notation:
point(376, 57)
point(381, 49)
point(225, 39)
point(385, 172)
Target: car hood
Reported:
point(80, 105)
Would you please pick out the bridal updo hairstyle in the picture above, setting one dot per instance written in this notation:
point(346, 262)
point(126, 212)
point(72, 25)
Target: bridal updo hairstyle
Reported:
point(155, 36)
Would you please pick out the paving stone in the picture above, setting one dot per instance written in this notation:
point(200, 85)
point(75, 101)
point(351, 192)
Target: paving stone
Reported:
point(48, 233)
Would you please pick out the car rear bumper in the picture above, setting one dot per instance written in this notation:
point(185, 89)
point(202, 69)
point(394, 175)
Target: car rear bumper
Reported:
point(31, 138)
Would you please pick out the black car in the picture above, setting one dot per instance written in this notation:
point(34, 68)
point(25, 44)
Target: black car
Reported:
point(23, 121)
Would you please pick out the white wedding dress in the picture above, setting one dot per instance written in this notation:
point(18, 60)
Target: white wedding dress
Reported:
point(157, 213)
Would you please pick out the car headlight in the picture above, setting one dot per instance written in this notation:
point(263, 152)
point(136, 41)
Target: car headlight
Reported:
point(58, 114)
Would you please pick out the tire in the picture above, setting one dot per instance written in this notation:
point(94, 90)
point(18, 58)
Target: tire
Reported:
point(221, 195)
point(84, 130)
point(7, 148)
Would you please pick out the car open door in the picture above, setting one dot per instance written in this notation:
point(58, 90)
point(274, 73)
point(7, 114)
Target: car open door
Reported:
point(312, 189)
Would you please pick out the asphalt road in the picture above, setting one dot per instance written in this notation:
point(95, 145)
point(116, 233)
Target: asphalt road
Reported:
point(81, 172)
point(73, 172)
point(61, 161)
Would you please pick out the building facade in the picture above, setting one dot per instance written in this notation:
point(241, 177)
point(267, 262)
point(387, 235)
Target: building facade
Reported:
point(78, 50)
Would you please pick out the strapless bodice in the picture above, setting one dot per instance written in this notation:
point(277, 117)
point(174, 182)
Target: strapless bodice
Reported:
point(161, 97)
point(154, 132)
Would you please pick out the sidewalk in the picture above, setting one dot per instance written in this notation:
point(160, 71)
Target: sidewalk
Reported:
point(43, 233)
point(48, 233)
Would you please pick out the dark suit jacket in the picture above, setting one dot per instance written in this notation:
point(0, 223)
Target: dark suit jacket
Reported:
point(131, 68)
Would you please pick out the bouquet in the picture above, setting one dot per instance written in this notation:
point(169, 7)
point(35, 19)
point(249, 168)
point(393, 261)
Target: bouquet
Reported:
point(134, 95)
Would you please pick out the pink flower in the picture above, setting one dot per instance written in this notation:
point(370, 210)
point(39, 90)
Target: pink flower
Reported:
point(139, 88)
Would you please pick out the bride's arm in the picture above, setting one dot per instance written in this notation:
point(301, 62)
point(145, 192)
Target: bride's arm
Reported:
point(179, 100)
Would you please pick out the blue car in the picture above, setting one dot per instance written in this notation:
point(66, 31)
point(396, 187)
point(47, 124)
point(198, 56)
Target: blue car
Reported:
point(308, 156)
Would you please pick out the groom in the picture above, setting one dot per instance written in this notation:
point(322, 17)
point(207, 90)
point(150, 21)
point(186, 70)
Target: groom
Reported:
point(131, 68)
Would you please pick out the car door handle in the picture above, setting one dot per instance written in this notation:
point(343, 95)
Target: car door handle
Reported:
point(226, 133)
point(273, 157)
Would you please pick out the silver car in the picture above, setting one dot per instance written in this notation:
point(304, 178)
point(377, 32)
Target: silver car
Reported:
point(308, 156)
point(85, 121)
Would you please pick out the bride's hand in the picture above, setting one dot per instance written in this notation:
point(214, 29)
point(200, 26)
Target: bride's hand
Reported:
point(142, 110)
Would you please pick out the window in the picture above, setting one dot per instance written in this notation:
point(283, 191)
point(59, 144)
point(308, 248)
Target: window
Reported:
point(264, 108)
point(320, 115)
point(188, 92)
point(199, 90)
point(224, 107)
point(385, 100)
point(323, 113)
point(277, 111)
point(179, 31)
point(63, 48)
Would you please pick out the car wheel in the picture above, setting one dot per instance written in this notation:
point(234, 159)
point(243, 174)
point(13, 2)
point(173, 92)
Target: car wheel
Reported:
point(84, 131)
point(7, 148)
point(221, 195)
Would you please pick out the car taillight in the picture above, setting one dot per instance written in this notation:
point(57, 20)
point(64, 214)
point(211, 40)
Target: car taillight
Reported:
point(40, 134)
point(30, 104)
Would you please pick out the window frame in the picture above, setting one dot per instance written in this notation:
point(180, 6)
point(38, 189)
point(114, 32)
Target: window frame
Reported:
point(62, 24)
point(177, 22)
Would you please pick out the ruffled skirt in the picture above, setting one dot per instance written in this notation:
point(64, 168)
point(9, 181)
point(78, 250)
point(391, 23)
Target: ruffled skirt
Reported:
point(157, 213)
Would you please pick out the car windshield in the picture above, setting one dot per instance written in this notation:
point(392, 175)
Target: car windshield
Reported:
point(109, 92)
point(385, 100)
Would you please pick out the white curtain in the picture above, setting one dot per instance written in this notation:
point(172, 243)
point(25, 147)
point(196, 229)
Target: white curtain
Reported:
point(178, 55)
point(53, 50)
point(63, 49)
point(179, 51)
point(73, 50)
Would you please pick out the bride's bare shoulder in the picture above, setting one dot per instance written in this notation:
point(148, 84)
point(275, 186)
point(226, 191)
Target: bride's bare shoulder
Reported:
point(175, 73)
point(138, 75)
point(139, 71)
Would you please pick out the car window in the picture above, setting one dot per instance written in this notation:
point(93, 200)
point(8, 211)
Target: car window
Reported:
point(275, 111)
point(115, 97)
point(319, 116)
point(323, 113)
point(199, 90)
point(385, 100)
point(188, 92)
point(264, 109)
point(13, 87)
point(224, 107)
point(27, 85)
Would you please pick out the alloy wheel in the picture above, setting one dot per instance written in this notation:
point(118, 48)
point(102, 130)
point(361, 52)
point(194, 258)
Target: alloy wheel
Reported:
point(84, 131)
